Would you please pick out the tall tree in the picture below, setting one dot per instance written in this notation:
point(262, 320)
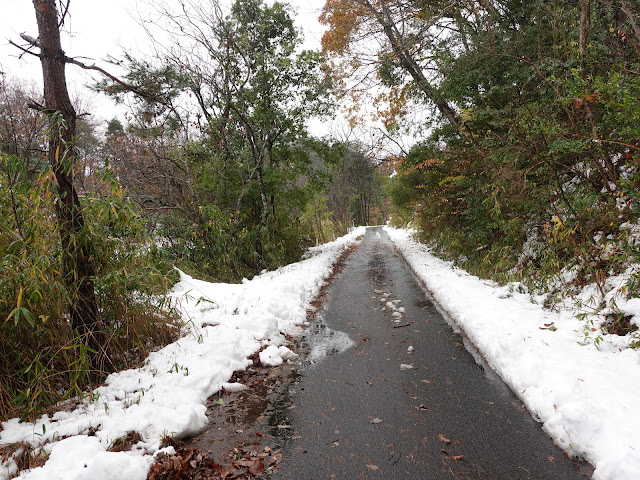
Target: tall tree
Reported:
point(249, 90)
point(405, 32)
point(77, 268)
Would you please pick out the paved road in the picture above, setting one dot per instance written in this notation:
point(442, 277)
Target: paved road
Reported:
point(354, 412)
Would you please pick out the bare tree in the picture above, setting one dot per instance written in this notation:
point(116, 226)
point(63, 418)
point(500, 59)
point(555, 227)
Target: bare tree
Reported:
point(22, 131)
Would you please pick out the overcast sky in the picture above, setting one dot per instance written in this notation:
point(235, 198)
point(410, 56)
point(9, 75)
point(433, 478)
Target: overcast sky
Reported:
point(98, 28)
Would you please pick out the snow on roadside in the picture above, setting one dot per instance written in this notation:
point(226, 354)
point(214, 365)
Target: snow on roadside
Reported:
point(586, 399)
point(225, 324)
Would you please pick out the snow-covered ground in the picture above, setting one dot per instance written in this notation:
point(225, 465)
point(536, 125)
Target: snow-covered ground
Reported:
point(587, 397)
point(225, 324)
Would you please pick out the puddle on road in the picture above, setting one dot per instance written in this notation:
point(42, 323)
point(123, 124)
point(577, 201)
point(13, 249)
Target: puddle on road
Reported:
point(322, 341)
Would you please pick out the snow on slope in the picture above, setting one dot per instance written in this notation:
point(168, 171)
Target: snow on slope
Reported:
point(587, 399)
point(226, 323)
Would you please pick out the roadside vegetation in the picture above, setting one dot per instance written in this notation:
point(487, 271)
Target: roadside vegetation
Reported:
point(528, 170)
point(212, 172)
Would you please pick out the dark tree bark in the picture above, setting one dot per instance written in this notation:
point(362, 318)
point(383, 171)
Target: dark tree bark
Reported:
point(585, 13)
point(77, 268)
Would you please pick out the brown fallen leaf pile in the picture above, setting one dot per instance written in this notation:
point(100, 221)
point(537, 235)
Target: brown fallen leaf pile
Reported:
point(192, 464)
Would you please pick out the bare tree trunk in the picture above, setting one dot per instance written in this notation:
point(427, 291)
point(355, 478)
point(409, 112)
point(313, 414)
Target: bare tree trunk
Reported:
point(264, 217)
point(77, 269)
point(585, 13)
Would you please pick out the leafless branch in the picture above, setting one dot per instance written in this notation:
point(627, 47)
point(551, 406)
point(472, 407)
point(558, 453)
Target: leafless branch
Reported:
point(24, 50)
point(64, 13)
point(35, 42)
point(36, 106)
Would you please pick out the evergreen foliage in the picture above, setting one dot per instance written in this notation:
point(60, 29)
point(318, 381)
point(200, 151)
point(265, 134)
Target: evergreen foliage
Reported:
point(240, 177)
point(530, 168)
point(551, 122)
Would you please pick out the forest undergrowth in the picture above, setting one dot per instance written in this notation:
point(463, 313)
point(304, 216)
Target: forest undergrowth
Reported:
point(42, 359)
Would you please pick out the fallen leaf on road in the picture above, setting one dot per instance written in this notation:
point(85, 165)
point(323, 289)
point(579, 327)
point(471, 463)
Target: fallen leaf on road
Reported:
point(373, 467)
point(444, 439)
point(257, 467)
point(457, 457)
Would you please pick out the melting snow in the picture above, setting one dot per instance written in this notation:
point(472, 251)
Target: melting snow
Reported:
point(225, 324)
point(585, 397)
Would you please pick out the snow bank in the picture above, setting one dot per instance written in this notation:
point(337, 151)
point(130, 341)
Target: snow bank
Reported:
point(586, 399)
point(273, 356)
point(225, 324)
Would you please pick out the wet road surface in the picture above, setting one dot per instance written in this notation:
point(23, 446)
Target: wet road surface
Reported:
point(357, 409)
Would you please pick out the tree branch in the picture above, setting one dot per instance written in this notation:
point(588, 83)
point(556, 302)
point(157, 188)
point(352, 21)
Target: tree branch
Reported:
point(125, 85)
point(24, 50)
point(64, 13)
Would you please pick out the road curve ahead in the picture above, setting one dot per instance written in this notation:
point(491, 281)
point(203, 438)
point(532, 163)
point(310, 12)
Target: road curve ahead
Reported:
point(358, 409)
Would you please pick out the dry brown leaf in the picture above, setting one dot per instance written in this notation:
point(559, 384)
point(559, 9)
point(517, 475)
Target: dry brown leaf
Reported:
point(257, 467)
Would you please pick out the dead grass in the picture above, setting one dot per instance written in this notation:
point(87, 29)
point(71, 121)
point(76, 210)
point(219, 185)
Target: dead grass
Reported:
point(24, 456)
point(6, 408)
point(38, 371)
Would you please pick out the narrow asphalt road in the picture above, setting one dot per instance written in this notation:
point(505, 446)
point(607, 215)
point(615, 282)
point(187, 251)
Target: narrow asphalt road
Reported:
point(357, 411)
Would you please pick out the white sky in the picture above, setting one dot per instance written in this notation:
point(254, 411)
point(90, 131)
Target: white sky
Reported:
point(98, 28)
